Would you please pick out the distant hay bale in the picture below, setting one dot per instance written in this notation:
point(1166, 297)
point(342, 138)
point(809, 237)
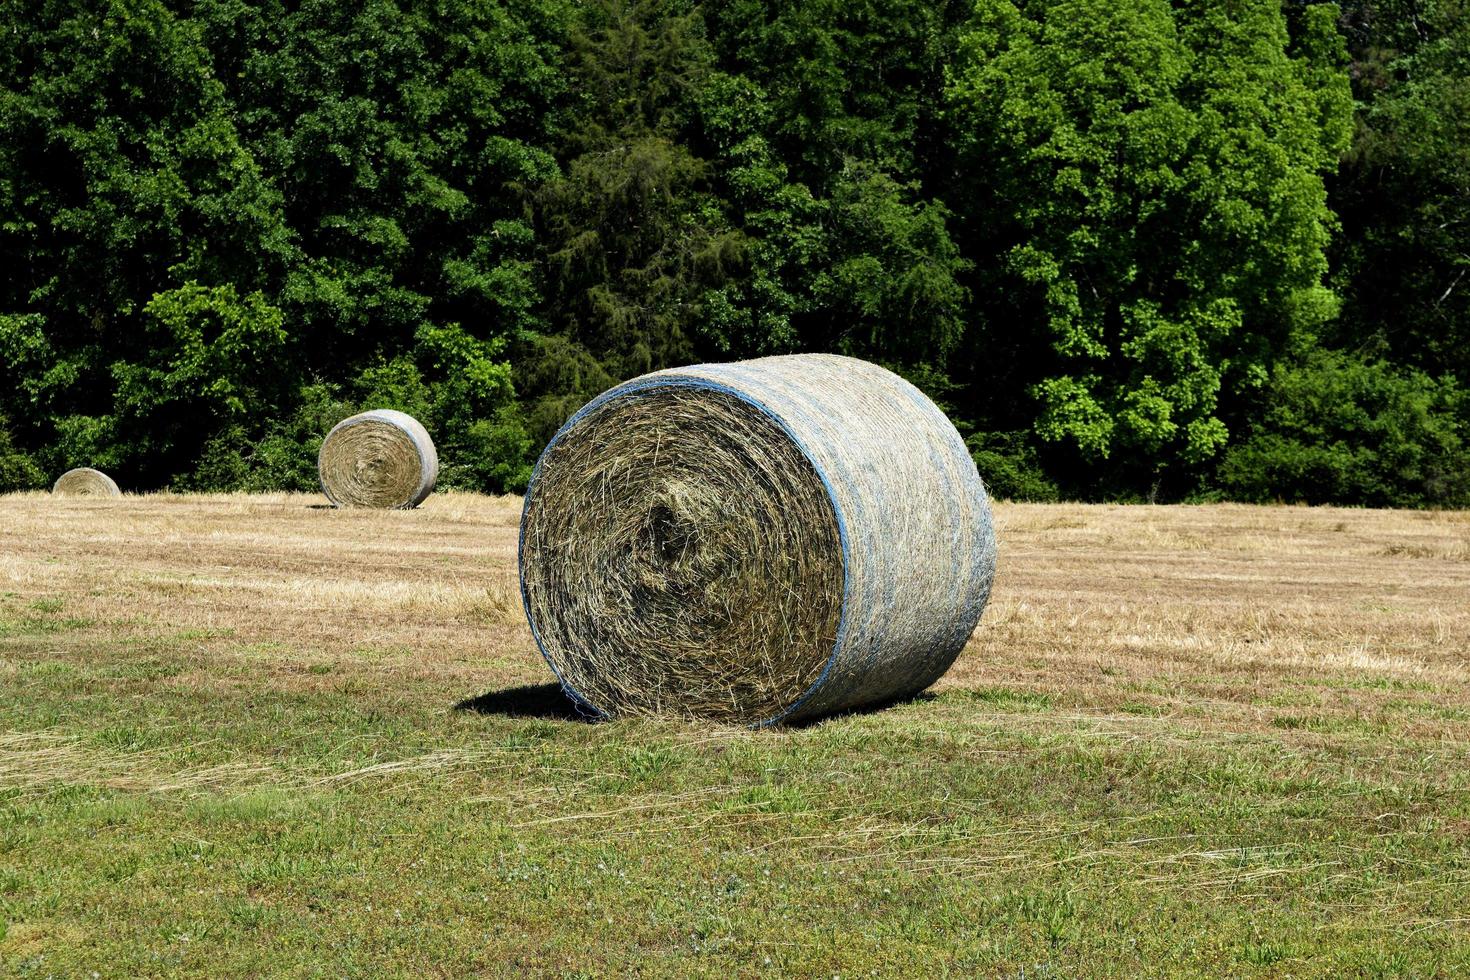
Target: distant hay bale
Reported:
point(382, 459)
point(769, 540)
point(85, 482)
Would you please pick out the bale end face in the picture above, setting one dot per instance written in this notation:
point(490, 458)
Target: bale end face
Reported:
point(681, 556)
point(380, 459)
point(85, 482)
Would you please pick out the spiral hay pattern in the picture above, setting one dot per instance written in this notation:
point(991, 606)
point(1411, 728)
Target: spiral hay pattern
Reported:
point(769, 540)
point(85, 482)
point(382, 459)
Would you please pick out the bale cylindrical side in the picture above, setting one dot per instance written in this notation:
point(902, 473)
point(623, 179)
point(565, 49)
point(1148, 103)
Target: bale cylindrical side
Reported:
point(768, 540)
point(382, 459)
point(85, 482)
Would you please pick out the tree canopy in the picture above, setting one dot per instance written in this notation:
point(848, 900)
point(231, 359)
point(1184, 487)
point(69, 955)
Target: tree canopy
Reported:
point(1173, 249)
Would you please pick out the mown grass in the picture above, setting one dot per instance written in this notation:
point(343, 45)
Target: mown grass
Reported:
point(188, 793)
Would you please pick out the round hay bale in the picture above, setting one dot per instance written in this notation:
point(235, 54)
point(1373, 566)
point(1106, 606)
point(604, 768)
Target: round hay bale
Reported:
point(85, 482)
point(382, 459)
point(768, 540)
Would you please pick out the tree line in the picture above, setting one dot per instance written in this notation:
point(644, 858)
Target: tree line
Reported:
point(1187, 250)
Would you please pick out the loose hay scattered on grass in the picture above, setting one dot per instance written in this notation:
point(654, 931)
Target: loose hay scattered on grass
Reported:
point(34, 761)
point(38, 762)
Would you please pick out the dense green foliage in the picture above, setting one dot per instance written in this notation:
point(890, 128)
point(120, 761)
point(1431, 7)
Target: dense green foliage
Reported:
point(1151, 250)
point(1340, 428)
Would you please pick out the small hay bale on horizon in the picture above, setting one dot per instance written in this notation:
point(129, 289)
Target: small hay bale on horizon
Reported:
point(85, 482)
point(381, 459)
point(768, 540)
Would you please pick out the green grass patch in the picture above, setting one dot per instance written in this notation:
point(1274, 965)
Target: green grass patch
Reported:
point(149, 827)
point(1010, 699)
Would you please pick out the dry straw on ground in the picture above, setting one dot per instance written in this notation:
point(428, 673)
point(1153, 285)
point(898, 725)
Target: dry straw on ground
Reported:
point(86, 482)
point(382, 459)
point(1217, 619)
point(773, 539)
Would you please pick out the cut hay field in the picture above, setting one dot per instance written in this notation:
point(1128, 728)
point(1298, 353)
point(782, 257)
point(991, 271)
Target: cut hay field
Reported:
point(248, 736)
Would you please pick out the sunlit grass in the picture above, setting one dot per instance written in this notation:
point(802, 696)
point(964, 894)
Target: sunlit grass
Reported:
point(1186, 741)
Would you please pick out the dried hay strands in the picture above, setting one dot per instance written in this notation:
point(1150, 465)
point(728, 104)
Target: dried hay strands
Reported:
point(382, 459)
point(768, 540)
point(85, 482)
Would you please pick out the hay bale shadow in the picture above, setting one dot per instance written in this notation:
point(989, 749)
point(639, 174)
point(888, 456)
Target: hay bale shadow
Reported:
point(528, 701)
point(551, 702)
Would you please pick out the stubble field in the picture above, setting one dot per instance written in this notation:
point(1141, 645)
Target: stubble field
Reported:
point(247, 735)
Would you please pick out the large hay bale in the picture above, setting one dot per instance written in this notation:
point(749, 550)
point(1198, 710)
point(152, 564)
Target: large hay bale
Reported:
point(85, 482)
point(772, 539)
point(382, 459)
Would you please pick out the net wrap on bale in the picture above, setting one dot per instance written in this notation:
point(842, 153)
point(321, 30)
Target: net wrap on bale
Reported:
point(85, 482)
point(767, 540)
point(382, 459)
